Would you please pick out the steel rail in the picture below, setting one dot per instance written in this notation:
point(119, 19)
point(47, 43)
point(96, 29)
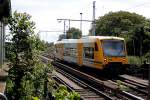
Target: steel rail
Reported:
point(84, 84)
point(97, 82)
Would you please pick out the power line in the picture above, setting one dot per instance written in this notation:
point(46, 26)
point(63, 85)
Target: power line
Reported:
point(46, 31)
point(73, 20)
point(136, 6)
point(76, 20)
point(49, 31)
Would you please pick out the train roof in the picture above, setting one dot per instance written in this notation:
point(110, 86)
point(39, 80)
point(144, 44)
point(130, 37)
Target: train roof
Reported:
point(67, 41)
point(88, 39)
point(103, 37)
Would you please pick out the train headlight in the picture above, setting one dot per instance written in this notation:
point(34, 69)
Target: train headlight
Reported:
point(105, 60)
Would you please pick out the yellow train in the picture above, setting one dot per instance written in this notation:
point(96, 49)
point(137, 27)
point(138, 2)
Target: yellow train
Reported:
point(92, 51)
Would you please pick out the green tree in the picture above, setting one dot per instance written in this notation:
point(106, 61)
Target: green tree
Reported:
point(28, 76)
point(39, 44)
point(61, 36)
point(74, 33)
point(115, 23)
point(129, 26)
point(25, 63)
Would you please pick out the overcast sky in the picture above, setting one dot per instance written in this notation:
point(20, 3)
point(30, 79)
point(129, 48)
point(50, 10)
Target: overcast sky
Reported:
point(46, 12)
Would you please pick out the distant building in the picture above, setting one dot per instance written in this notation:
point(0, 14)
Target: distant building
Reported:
point(5, 11)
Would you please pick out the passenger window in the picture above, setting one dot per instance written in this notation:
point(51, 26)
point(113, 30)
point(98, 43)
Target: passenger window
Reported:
point(89, 52)
point(96, 47)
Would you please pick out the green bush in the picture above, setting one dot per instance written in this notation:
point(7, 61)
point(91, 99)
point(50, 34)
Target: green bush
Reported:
point(139, 60)
point(121, 86)
point(62, 94)
point(134, 60)
point(146, 57)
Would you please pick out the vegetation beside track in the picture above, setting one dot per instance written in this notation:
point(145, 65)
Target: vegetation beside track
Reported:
point(27, 79)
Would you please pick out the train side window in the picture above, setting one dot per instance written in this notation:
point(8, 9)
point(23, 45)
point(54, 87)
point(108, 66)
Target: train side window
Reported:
point(92, 53)
point(74, 52)
point(89, 52)
point(96, 47)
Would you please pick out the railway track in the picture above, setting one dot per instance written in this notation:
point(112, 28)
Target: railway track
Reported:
point(138, 86)
point(86, 91)
point(134, 85)
point(108, 87)
point(133, 89)
point(134, 80)
point(105, 86)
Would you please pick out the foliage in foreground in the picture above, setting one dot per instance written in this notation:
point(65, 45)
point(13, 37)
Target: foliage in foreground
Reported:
point(122, 87)
point(27, 73)
point(27, 79)
point(62, 94)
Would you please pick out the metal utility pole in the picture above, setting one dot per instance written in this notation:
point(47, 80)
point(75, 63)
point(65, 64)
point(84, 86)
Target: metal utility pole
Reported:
point(5, 11)
point(81, 22)
point(64, 26)
point(65, 29)
point(1, 53)
point(2, 43)
point(93, 26)
point(69, 24)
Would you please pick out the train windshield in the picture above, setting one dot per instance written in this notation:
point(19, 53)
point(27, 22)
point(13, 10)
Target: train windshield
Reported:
point(113, 48)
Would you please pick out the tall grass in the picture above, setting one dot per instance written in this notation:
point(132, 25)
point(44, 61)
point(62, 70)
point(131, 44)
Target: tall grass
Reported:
point(139, 60)
point(134, 60)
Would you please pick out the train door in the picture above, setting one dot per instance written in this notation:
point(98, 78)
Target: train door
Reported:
point(97, 55)
point(80, 53)
point(88, 53)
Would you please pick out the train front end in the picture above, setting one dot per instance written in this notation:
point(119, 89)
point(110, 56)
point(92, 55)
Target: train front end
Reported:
point(114, 55)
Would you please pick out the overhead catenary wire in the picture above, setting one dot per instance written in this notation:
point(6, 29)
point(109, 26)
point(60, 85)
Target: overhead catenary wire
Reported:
point(139, 5)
